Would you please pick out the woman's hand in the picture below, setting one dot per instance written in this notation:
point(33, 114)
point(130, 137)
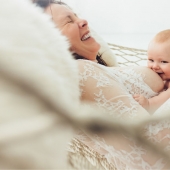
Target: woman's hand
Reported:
point(144, 102)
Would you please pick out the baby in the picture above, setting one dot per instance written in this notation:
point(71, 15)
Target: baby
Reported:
point(159, 62)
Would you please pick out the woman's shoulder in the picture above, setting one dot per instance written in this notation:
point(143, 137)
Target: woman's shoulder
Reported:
point(152, 79)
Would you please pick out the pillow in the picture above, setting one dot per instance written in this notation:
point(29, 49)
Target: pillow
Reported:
point(106, 53)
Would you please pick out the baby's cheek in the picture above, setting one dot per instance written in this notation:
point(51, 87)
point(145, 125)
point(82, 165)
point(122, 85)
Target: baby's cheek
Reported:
point(148, 64)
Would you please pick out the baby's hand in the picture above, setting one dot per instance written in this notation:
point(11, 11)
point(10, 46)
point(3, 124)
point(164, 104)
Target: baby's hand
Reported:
point(142, 101)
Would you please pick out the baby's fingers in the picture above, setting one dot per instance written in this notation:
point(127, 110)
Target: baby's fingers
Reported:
point(136, 96)
point(136, 99)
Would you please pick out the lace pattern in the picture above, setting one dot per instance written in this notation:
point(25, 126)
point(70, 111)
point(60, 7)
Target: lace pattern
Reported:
point(131, 80)
point(120, 99)
point(118, 106)
point(112, 89)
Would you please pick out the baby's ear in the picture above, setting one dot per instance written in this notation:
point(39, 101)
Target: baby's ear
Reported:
point(105, 52)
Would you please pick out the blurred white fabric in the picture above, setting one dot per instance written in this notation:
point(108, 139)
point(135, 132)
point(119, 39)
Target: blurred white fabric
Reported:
point(32, 80)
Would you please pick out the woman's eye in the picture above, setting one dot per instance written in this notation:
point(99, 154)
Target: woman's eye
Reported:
point(67, 22)
point(70, 21)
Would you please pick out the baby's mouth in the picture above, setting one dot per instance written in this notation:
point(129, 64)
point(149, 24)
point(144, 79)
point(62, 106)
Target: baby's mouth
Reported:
point(160, 74)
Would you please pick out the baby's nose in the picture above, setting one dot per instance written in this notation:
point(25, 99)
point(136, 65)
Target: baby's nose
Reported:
point(155, 65)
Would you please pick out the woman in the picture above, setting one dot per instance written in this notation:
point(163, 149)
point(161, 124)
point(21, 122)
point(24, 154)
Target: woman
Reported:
point(111, 89)
point(83, 45)
point(78, 40)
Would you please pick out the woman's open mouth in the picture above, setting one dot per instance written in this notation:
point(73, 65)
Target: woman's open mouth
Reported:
point(85, 37)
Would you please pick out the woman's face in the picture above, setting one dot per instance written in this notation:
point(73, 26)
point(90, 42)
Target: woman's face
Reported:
point(75, 29)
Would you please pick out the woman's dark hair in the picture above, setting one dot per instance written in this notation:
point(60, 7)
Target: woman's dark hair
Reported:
point(98, 58)
point(46, 3)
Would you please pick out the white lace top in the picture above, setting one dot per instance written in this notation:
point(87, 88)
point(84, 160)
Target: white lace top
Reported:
point(112, 89)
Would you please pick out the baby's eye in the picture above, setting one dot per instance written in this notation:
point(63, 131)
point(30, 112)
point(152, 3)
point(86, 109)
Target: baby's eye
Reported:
point(164, 61)
point(150, 60)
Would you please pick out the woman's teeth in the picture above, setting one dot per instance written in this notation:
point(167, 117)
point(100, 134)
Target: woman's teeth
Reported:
point(85, 37)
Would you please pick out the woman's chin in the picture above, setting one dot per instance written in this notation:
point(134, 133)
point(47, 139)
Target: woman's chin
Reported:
point(95, 48)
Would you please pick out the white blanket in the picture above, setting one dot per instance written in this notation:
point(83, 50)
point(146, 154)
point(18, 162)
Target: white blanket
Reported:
point(37, 76)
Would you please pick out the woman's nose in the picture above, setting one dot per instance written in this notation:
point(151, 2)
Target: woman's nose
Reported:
point(82, 23)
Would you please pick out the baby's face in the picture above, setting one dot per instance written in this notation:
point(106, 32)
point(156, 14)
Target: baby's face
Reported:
point(159, 58)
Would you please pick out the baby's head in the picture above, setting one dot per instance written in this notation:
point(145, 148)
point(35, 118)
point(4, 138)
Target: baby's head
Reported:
point(159, 54)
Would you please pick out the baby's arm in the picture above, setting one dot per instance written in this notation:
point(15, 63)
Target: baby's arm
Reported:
point(152, 104)
point(144, 102)
point(157, 101)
